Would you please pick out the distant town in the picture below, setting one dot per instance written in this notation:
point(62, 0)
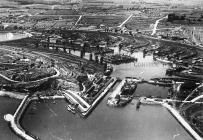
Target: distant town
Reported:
point(93, 69)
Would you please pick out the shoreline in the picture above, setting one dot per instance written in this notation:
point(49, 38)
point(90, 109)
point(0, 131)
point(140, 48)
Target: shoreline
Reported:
point(16, 125)
point(14, 120)
point(175, 114)
point(182, 121)
point(104, 92)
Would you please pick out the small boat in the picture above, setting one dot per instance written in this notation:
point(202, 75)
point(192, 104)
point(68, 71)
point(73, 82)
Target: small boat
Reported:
point(108, 71)
point(71, 109)
point(138, 104)
point(124, 100)
point(134, 79)
point(164, 60)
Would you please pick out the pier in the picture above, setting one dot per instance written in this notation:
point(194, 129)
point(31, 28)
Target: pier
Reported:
point(83, 106)
point(14, 120)
point(118, 89)
point(112, 81)
point(146, 100)
point(76, 99)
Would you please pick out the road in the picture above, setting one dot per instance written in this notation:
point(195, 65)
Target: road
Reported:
point(78, 20)
point(199, 87)
point(197, 98)
point(125, 21)
point(156, 24)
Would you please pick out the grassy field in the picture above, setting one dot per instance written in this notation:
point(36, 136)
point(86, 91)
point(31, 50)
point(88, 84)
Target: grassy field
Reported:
point(140, 23)
point(105, 20)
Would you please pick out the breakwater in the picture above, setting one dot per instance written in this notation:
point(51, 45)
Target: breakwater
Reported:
point(175, 113)
point(103, 93)
point(14, 120)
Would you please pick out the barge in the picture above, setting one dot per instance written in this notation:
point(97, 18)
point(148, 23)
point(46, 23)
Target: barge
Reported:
point(118, 59)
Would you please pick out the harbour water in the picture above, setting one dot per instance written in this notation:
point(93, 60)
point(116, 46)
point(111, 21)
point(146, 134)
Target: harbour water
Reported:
point(11, 36)
point(7, 106)
point(52, 121)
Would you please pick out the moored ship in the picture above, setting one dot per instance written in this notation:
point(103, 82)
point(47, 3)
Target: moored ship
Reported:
point(169, 81)
point(124, 92)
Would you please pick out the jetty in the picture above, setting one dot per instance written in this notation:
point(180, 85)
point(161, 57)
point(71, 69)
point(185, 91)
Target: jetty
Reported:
point(14, 120)
point(74, 98)
point(83, 106)
point(111, 100)
point(103, 93)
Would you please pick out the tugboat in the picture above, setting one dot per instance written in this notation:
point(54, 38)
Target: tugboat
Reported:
point(129, 87)
point(108, 71)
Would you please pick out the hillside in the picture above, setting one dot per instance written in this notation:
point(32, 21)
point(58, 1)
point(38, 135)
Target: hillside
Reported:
point(22, 2)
